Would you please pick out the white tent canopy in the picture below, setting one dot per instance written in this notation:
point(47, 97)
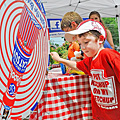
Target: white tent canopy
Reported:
point(107, 8)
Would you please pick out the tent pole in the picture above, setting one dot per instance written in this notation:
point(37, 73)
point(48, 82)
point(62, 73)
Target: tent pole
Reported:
point(118, 19)
point(119, 29)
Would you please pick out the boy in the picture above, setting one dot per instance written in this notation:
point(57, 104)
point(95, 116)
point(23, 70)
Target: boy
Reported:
point(69, 22)
point(102, 65)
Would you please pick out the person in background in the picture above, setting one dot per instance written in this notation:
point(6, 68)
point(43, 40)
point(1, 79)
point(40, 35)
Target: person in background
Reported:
point(96, 16)
point(69, 22)
point(102, 65)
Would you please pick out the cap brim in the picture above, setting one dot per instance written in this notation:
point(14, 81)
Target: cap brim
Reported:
point(88, 25)
point(76, 32)
point(70, 36)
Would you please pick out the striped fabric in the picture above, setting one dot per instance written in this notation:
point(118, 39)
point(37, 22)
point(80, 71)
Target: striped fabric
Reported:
point(27, 28)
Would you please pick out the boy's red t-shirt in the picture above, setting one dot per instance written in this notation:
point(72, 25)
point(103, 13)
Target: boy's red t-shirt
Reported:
point(104, 78)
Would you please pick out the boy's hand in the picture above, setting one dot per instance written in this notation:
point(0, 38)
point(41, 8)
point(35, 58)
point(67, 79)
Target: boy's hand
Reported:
point(55, 56)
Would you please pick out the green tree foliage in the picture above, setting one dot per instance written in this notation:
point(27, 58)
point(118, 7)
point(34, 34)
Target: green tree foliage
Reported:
point(56, 44)
point(52, 49)
point(61, 50)
point(111, 24)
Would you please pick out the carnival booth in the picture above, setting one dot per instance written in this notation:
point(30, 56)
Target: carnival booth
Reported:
point(26, 90)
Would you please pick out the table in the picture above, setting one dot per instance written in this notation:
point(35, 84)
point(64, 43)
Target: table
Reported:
point(64, 98)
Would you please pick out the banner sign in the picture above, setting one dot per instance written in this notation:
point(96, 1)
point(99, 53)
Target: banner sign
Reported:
point(24, 54)
point(55, 28)
point(54, 25)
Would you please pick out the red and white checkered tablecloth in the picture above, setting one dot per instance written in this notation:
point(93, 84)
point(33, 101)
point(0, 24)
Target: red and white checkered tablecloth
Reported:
point(65, 98)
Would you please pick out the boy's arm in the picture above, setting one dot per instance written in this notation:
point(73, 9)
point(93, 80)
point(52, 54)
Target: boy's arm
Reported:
point(71, 64)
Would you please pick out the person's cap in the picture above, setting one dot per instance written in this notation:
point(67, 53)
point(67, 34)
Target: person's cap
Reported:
point(84, 27)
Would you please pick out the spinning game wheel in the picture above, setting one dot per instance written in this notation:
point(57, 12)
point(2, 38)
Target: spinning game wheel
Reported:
point(24, 54)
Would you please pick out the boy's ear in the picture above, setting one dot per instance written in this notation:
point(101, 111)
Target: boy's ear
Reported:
point(74, 24)
point(101, 39)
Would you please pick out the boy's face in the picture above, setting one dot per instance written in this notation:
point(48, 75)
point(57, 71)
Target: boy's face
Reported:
point(73, 27)
point(95, 17)
point(89, 44)
point(67, 29)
